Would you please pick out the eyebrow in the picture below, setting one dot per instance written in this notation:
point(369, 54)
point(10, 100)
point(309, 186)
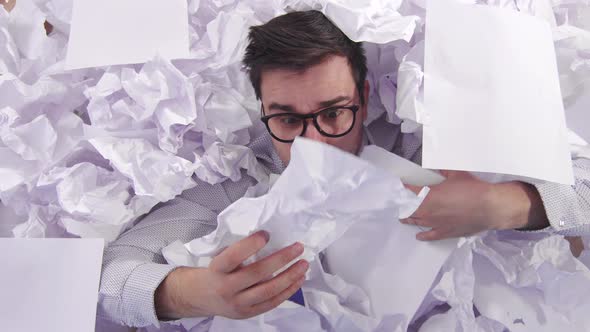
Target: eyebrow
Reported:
point(322, 104)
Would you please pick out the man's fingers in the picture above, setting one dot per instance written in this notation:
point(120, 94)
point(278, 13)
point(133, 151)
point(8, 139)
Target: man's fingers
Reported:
point(274, 302)
point(421, 213)
point(451, 174)
point(414, 189)
point(234, 255)
point(421, 222)
point(446, 173)
point(259, 271)
point(433, 235)
point(271, 288)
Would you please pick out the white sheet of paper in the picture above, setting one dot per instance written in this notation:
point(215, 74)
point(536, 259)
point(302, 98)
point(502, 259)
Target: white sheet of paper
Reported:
point(390, 265)
point(313, 202)
point(113, 32)
point(49, 284)
point(406, 170)
point(491, 94)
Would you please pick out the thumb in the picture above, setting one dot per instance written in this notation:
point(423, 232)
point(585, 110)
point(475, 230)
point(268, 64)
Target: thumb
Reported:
point(450, 174)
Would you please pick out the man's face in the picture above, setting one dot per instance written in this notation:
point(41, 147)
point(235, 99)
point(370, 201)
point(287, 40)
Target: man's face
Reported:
point(327, 84)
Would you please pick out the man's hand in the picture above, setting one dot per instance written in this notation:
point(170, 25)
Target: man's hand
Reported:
point(229, 289)
point(8, 4)
point(463, 205)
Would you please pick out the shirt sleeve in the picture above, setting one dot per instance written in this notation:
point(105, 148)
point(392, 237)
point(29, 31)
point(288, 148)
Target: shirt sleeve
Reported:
point(133, 265)
point(568, 207)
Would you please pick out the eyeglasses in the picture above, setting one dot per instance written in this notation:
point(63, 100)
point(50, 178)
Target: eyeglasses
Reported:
point(331, 122)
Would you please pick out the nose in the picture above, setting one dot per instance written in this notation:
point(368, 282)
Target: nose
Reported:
point(312, 133)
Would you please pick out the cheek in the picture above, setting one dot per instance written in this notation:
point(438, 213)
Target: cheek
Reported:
point(283, 150)
point(349, 143)
point(353, 140)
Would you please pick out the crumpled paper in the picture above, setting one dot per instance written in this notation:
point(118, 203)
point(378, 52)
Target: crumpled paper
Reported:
point(410, 91)
point(198, 113)
point(159, 94)
point(153, 172)
point(56, 180)
point(224, 161)
point(9, 59)
point(512, 280)
point(541, 276)
point(373, 21)
point(314, 202)
point(32, 143)
point(319, 200)
point(145, 125)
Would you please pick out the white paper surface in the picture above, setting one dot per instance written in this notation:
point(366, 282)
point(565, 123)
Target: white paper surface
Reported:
point(203, 108)
point(9, 53)
point(49, 284)
point(313, 202)
point(111, 32)
point(519, 309)
point(517, 281)
point(381, 21)
point(492, 95)
point(26, 26)
point(406, 170)
point(390, 265)
point(410, 90)
point(151, 105)
point(531, 284)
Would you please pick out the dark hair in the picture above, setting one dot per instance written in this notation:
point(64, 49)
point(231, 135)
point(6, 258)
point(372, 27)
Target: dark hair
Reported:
point(297, 41)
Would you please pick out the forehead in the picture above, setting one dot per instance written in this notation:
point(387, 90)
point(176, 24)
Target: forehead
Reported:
point(324, 81)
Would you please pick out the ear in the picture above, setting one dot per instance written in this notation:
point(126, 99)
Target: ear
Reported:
point(366, 105)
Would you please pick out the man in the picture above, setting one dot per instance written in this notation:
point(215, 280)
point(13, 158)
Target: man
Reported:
point(310, 79)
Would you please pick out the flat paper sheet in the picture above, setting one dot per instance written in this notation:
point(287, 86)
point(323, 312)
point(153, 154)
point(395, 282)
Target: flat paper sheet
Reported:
point(49, 284)
point(406, 170)
point(491, 94)
point(113, 32)
point(389, 261)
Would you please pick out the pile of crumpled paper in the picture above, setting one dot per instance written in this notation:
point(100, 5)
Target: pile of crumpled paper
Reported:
point(72, 142)
point(85, 152)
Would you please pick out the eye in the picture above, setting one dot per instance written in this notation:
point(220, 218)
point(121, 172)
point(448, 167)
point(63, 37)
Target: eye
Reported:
point(289, 120)
point(332, 114)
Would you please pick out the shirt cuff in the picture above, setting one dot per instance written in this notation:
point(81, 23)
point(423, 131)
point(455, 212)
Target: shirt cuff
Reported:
point(139, 290)
point(550, 192)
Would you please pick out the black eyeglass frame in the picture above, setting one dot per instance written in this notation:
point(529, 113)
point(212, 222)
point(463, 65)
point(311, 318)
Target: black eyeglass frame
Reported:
point(314, 117)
